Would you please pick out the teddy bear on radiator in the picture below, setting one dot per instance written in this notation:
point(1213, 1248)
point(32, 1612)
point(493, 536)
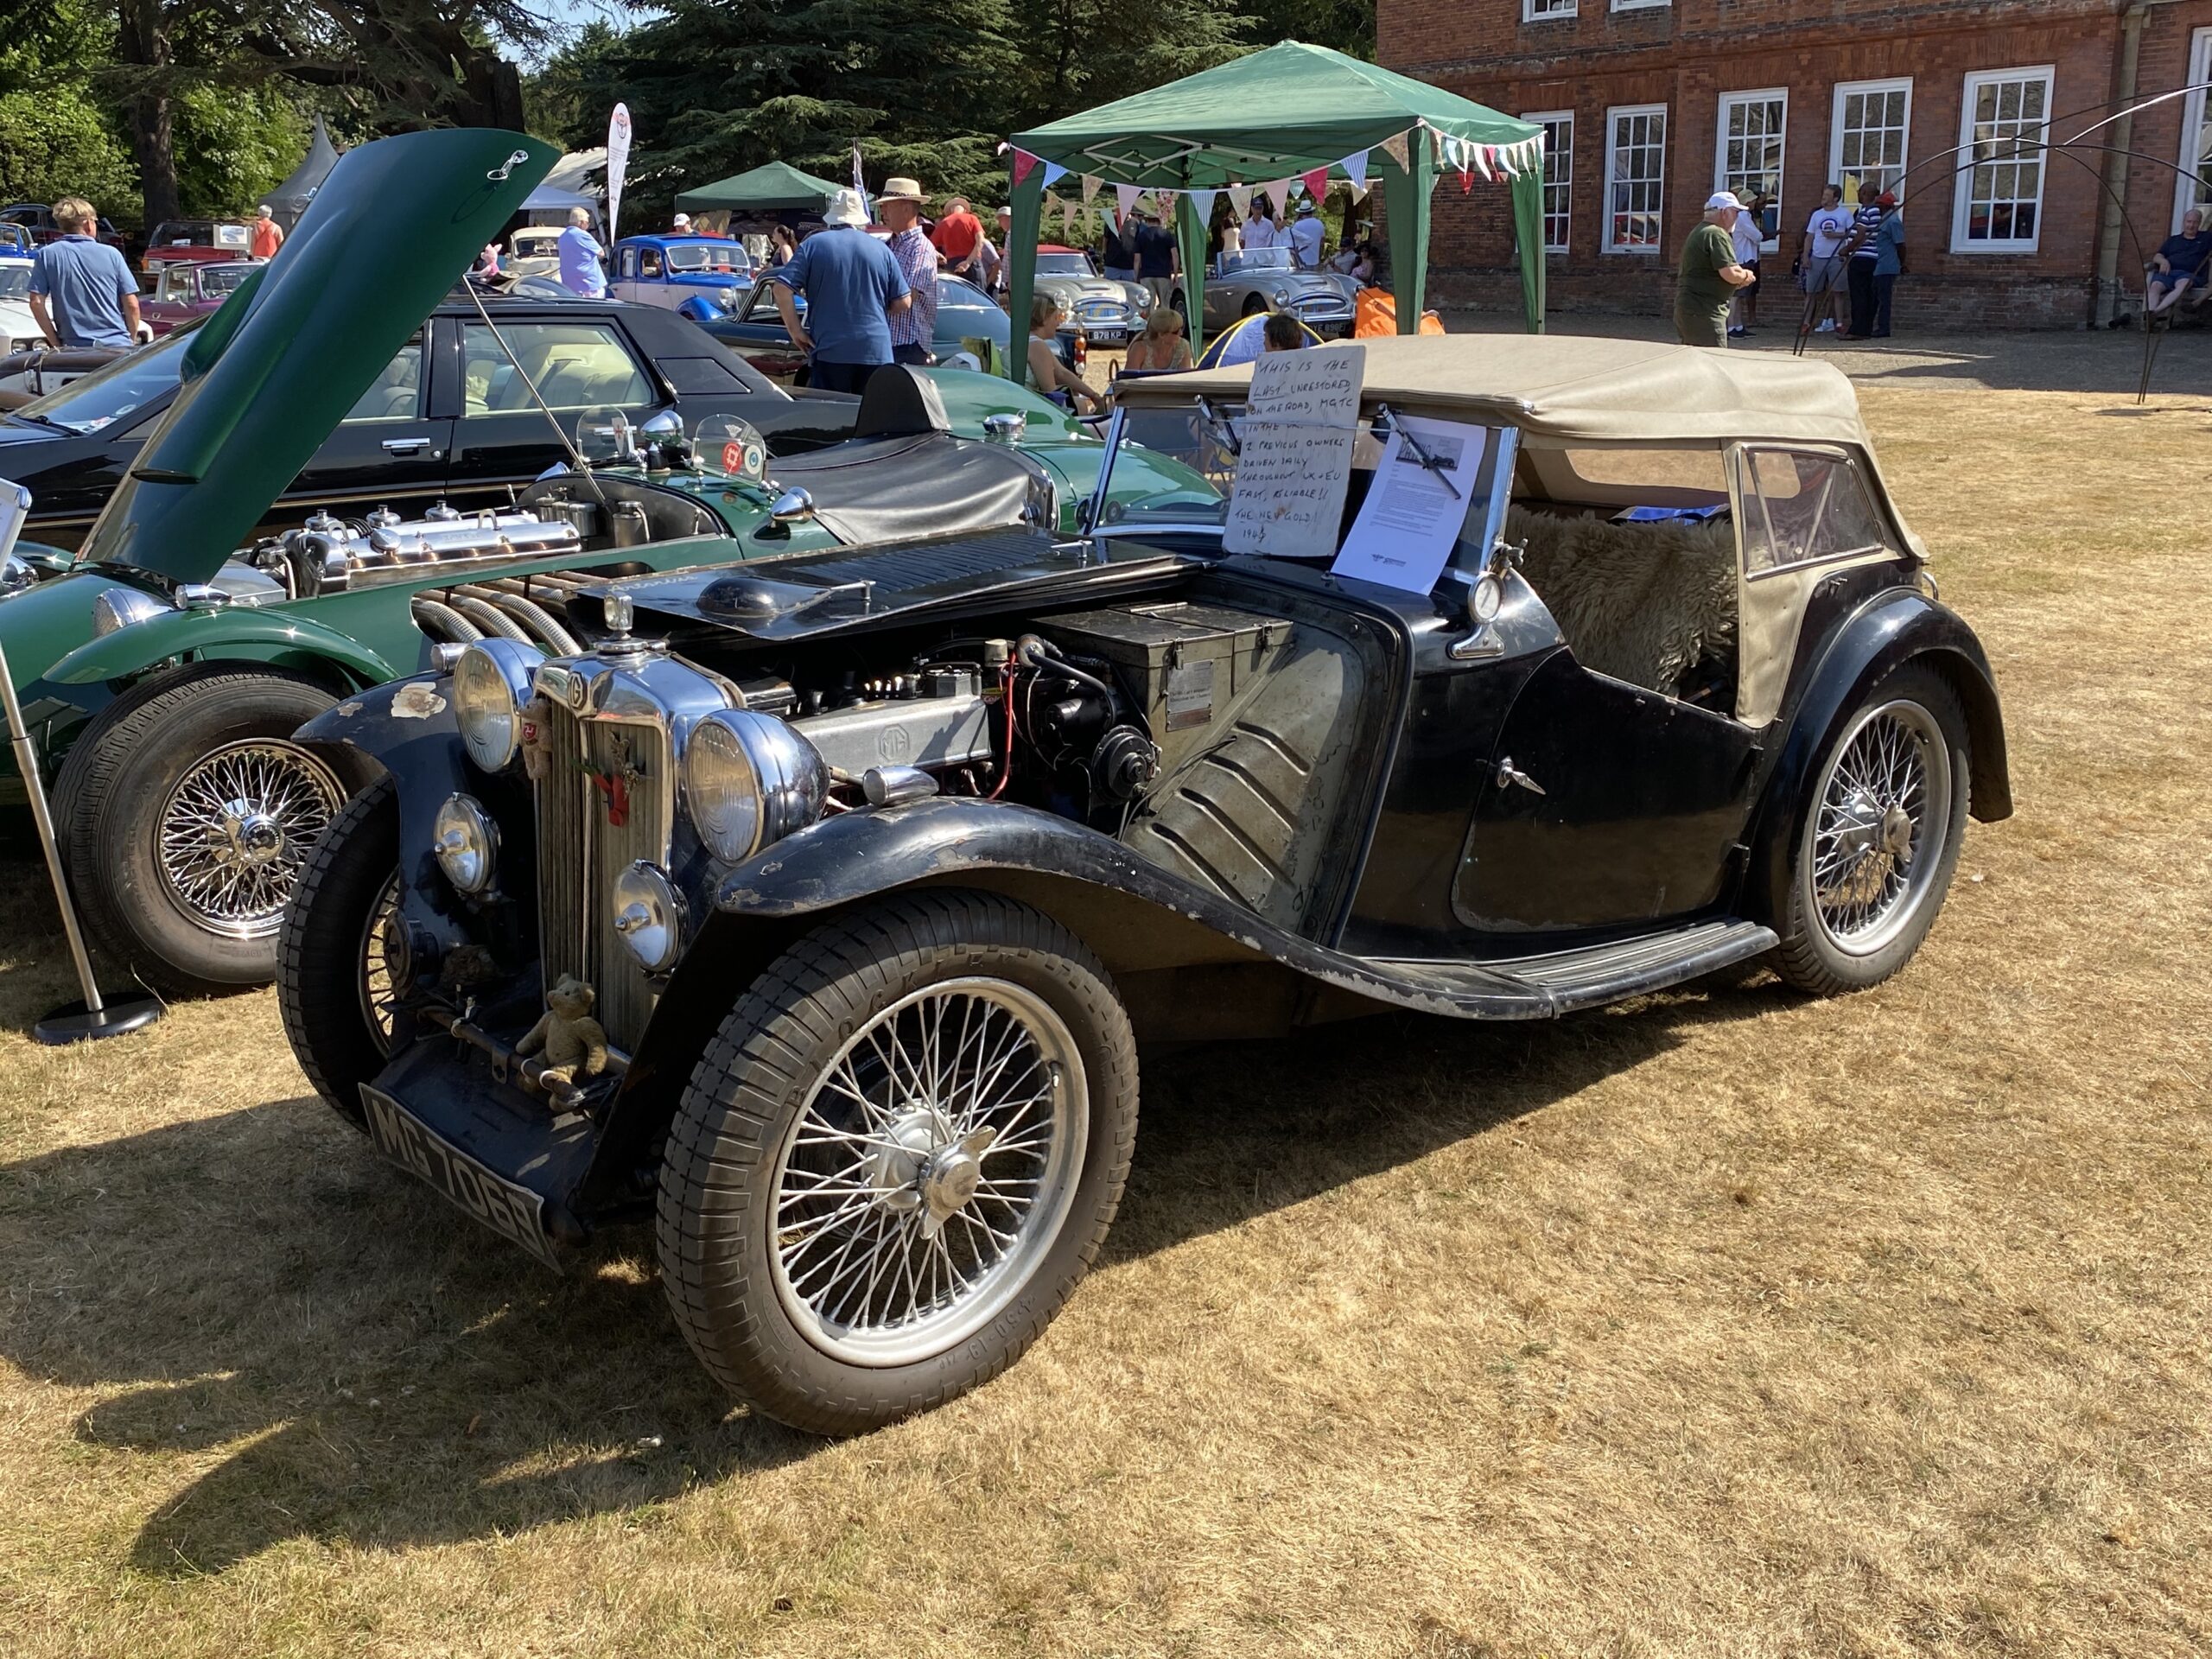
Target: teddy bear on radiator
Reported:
point(574, 1043)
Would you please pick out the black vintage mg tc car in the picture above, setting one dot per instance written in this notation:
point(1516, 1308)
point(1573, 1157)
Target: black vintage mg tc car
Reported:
point(818, 909)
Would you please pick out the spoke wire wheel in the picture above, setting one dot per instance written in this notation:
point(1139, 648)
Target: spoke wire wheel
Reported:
point(896, 1158)
point(235, 830)
point(382, 963)
point(932, 1166)
point(1879, 828)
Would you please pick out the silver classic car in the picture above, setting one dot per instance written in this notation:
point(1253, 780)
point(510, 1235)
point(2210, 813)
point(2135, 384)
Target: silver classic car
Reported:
point(1107, 311)
point(1267, 279)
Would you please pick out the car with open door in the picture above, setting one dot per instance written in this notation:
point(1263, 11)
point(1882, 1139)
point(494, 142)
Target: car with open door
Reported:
point(815, 912)
point(165, 664)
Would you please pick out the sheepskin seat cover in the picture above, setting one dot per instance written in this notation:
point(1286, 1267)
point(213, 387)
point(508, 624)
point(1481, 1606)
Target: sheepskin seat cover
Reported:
point(1643, 603)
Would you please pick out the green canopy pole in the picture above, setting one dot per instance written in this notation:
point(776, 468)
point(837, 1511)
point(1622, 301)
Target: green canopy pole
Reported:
point(1528, 240)
point(1028, 202)
point(1405, 198)
point(1191, 242)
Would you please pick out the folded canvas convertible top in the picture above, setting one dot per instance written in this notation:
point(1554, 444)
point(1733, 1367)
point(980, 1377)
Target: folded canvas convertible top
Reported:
point(1562, 391)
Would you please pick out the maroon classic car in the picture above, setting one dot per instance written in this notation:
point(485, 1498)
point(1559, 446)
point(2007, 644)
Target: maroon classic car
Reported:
point(183, 294)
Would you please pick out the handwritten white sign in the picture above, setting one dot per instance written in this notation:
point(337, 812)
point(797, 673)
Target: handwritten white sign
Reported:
point(1296, 462)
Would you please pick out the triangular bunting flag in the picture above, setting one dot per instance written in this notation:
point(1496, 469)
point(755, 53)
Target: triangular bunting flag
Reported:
point(1395, 147)
point(1125, 202)
point(1466, 180)
point(1203, 200)
point(1240, 197)
point(1067, 220)
point(1355, 169)
point(1023, 164)
point(1089, 187)
point(1279, 193)
point(1053, 174)
point(1316, 184)
point(1482, 155)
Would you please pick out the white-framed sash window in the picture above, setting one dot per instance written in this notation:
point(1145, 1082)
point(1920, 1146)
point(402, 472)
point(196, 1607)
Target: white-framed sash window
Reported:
point(1558, 174)
point(1747, 151)
point(2193, 185)
point(1635, 177)
point(1538, 11)
point(1996, 203)
point(1869, 131)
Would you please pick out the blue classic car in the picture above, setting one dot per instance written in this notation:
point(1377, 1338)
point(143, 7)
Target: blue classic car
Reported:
point(667, 271)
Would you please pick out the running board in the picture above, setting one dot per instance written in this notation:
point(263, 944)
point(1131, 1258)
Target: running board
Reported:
point(1564, 981)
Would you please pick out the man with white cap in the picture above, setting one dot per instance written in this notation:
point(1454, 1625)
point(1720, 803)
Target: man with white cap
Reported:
point(680, 226)
point(1305, 235)
point(898, 205)
point(1709, 274)
point(853, 287)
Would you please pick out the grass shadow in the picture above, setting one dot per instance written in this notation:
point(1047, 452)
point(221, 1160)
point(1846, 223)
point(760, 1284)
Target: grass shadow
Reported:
point(381, 1374)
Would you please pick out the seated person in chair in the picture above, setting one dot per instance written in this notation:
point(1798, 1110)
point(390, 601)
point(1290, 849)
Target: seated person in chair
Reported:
point(2179, 266)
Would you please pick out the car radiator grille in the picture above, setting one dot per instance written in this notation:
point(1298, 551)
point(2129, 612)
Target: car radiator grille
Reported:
point(580, 851)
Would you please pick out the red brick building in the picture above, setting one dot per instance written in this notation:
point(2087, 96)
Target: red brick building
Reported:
point(1652, 104)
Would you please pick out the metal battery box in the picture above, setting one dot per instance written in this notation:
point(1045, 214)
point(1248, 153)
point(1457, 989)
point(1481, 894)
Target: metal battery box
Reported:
point(1181, 663)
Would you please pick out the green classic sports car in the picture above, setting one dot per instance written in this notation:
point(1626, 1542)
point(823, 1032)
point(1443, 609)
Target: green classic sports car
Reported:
point(165, 669)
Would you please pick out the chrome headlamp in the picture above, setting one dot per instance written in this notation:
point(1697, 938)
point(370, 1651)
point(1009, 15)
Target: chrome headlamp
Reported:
point(466, 842)
point(491, 683)
point(118, 607)
point(650, 916)
point(749, 780)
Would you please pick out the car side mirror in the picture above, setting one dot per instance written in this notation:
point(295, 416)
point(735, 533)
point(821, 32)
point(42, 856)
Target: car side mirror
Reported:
point(665, 424)
point(792, 505)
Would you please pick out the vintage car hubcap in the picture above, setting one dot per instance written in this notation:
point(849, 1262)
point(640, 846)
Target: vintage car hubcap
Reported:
point(929, 1171)
point(1878, 835)
point(234, 831)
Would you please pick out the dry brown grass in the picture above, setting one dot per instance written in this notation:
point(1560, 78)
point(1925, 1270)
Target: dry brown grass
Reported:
point(1728, 1325)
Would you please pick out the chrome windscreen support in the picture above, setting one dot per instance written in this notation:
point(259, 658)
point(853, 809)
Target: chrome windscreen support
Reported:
point(97, 1015)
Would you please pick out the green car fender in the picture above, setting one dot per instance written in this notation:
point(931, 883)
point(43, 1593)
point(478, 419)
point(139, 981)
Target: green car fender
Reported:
point(281, 639)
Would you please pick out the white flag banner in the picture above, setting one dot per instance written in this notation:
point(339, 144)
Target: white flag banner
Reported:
point(618, 164)
point(1279, 193)
point(1089, 187)
point(1204, 201)
point(1240, 197)
point(1355, 169)
point(1125, 202)
point(1481, 153)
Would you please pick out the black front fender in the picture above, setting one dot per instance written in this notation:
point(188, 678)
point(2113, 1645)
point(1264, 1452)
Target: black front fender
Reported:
point(1897, 627)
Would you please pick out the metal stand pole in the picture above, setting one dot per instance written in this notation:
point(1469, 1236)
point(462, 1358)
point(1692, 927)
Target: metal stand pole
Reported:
point(97, 1015)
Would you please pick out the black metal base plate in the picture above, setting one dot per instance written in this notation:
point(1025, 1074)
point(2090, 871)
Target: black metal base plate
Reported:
point(72, 1023)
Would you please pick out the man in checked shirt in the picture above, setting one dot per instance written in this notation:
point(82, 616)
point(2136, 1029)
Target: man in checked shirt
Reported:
point(898, 205)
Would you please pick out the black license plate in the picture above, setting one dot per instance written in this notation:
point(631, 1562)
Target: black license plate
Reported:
point(514, 1211)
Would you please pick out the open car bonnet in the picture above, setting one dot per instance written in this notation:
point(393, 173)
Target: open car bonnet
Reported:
point(269, 376)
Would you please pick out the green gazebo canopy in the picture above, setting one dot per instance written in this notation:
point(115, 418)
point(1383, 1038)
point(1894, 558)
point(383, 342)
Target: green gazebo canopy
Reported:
point(1287, 110)
point(769, 188)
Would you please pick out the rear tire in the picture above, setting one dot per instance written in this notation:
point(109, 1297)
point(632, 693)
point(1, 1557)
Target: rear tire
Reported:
point(853, 1227)
point(327, 953)
point(184, 811)
point(1877, 837)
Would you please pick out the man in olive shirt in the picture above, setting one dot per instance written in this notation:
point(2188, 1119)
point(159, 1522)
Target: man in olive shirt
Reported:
point(1709, 274)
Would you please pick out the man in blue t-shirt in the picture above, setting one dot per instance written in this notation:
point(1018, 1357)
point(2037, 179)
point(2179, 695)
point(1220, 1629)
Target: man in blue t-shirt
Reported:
point(82, 291)
point(2178, 266)
point(582, 271)
point(853, 287)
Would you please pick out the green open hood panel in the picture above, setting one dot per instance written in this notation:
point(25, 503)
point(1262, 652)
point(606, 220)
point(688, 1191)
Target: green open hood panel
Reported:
point(270, 375)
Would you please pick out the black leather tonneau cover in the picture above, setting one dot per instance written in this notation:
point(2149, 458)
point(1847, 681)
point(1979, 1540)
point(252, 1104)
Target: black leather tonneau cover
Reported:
point(925, 484)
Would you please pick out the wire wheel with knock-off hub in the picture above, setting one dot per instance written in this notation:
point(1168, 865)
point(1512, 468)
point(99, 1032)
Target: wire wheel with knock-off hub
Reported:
point(1879, 838)
point(896, 1160)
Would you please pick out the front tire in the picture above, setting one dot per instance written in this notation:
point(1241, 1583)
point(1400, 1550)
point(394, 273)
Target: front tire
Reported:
point(1877, 838)
point(185, 811)
point(338, 957)
point(896, 1158)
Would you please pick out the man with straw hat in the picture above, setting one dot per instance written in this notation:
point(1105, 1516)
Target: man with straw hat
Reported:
point(898, 204)
point(852, 289)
